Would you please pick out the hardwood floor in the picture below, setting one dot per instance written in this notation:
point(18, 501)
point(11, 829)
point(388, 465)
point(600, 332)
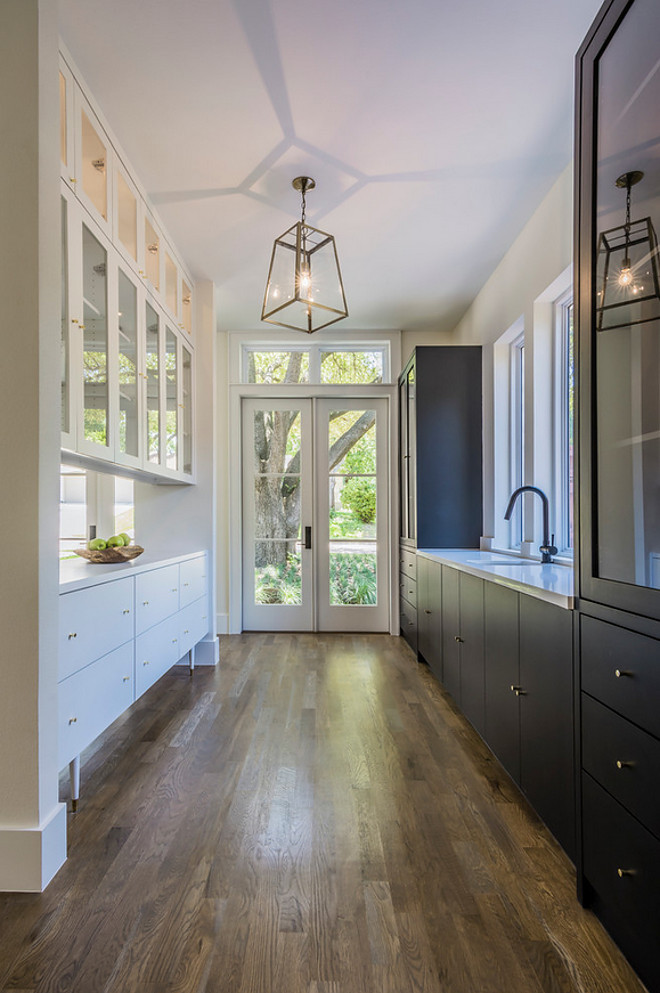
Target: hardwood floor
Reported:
point(312, 817)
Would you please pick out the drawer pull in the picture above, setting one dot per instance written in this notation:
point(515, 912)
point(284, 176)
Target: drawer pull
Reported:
point(125, 679)
point(175, 590)
point(146, 663)
point(186, 631)
point(411, 591)
point(174, 641)
point(622, 672)
point(73, 634)
point(204, 617)
point(518, 690)
point(186, 584)
point(428, 611)
point(625, 872)
point(145, 603)
point(459, 641)
point(126, 611)
point(624, 764)
point(73, 720)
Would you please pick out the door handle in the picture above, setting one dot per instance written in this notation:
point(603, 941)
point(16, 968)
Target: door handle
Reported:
point(308, 537)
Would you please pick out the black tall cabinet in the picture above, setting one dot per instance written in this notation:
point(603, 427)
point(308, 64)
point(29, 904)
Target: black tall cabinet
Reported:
point(440, 459)
point(617, 290)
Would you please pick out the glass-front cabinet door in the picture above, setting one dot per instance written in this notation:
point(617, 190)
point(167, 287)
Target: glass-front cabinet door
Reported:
point(619, 311)
point(94, 427)
point(171, 400)
point(186, 411)
point(128, 368)
point(153, 382)
point(93, 157)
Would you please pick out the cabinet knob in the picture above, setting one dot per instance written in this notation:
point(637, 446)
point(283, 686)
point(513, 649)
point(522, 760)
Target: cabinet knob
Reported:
point(186, 584)
point(622, 672)
point(428, 611)
point(458, 640)
point(72, 634)
point(175, 590)
point(625, 872)
point(73, 720)
point(125, 679)
point(145, 603)
point(127, 611)
point(146, 662)
point(186, 631)
point(624, 764)
point(518, 690)
point(174, 641)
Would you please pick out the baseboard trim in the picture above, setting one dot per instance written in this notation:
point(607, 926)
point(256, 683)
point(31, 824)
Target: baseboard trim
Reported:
point(30, 857)
point(207, 651)
point(222, 623)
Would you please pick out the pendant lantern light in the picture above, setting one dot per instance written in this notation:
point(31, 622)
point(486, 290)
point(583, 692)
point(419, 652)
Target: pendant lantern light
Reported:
point(304, 289)
point(628, 287)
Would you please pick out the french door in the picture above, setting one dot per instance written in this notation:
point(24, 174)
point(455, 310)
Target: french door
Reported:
point(315, 514)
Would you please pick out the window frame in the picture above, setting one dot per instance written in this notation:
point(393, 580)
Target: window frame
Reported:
point(241, 344)
point(516, 436)
point(564, 330)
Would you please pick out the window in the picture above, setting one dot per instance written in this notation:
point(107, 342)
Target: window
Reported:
point(73, 510)
point(564, 399)
point(93, 499)
point(517, 434)
point(317, 363)
point(124, 509)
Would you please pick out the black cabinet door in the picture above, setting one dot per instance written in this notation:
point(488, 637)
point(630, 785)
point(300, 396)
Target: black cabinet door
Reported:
point(451, 626)
point(471, 591)
point(429, 613)
point(502, 722)
point(546, 715)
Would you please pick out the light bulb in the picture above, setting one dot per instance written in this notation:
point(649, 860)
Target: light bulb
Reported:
point(625, 276)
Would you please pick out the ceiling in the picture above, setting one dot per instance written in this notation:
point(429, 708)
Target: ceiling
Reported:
point(432, 129)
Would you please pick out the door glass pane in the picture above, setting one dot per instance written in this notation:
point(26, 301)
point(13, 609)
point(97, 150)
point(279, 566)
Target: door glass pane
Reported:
point(186, 306)
point(352, 507)
point(277, 493)
point(627, 302)
point(95, 340)
point(171, 277)
point(153, 385)
point(64, 335)
point(171, 401)
point(126, 216)
point(128, 373)
point(151, 254)
point(186, 413)
point(94, 166)
point(63, 119)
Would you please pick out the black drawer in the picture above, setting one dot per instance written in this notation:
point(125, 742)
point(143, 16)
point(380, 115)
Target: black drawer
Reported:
point(622, 864)
point(624, 759)
point(408, 589)
point(408, 563)
point(622, 669)
point(408, 623)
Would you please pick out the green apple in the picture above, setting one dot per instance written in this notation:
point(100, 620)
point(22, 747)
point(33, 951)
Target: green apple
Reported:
point(126, 537)
point(96, 545)
point(115, 542)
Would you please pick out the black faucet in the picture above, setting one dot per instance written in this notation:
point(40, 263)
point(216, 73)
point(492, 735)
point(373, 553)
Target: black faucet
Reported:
point(548, 548)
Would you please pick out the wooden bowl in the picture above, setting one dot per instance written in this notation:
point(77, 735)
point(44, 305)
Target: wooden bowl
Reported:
point(116, 554)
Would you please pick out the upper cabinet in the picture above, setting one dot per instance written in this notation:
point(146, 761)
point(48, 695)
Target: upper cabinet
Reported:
point(618, 288)
point(440, 429)
point(127, 343)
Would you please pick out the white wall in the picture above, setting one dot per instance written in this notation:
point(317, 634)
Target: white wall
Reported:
point(32, 822)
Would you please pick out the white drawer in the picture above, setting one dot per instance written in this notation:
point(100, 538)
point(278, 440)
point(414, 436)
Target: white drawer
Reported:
point(192, 580)
point(156, 650)
point(193, 624)
point(156, 596)
point(91, 699)
point(93, 622)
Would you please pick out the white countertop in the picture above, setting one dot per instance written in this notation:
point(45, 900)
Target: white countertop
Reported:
point(76, 574)
point(551, 582)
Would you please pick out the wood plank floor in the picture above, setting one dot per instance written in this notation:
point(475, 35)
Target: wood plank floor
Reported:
point(312, 817)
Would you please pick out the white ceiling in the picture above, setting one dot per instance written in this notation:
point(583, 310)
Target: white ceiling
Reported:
point(432, 129)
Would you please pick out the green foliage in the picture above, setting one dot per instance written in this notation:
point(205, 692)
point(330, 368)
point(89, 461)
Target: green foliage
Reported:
point(352, 578)
point(359, 496)
point(279, 583)
point(351, 367)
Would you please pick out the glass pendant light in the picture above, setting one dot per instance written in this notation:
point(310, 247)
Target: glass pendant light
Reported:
point(304, 289)
point(628, 288)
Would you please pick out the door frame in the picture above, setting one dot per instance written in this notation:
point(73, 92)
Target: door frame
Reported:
point(235, 462)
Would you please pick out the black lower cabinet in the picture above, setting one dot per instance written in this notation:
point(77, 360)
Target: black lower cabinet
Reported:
point(451, 627)
point(471, 605)
point(529, 702)
point(429, 614)
point(547, 752)
point(501, 622)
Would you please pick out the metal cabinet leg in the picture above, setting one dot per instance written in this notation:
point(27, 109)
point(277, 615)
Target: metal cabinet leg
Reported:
point(191, 660)
point(74, 777)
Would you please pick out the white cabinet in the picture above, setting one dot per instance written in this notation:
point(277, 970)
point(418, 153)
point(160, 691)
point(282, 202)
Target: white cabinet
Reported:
point(127, 390)
point(117, 638)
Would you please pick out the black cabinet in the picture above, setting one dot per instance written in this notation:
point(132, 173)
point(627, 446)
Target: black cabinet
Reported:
point(408, 596)
point(617, 309)
point(463, 642)
point(429, 613)
point(529, 702)
point(440, 463)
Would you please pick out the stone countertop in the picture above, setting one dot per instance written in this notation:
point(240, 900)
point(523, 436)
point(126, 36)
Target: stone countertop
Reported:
point(78, 573)
point(551, 582)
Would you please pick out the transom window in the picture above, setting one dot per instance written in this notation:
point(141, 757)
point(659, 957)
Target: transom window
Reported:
point(322, 363)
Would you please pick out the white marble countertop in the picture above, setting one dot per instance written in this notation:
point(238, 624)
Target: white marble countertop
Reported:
point(76, 574)
point(552, 582)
